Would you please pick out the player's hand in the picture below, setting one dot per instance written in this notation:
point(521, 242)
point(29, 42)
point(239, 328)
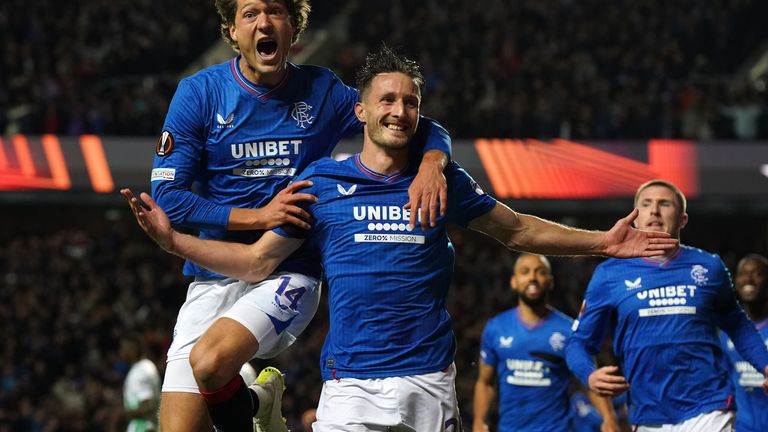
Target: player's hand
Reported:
point(607, 381)
point(479, 427)
point(283, 209)
point(428, 193)
point(152, 219)
point(623, 241)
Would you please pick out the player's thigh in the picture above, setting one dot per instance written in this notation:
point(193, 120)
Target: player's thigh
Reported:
point(428, 402)
point(425, 402)
point(277, 310)
point(226, 345)
point(206, 301)
point(713, 421)
point(357, 405)
point(183, 412)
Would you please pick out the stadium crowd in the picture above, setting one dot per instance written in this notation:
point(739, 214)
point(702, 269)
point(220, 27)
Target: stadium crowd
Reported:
point(97, 67)
point(103, 67)
point(587, 69)
point(547, 68)
point(578, 69)
point(67, 295)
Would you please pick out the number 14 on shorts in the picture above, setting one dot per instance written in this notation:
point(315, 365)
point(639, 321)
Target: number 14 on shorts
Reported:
point(288, 298)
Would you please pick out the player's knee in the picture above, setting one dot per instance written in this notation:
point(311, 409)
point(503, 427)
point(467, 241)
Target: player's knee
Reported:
point(209, 365)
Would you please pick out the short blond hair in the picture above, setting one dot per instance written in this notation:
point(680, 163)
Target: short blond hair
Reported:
point(663, 183)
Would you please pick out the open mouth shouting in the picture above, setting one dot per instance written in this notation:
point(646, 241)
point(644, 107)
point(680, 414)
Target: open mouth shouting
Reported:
point(267, 49)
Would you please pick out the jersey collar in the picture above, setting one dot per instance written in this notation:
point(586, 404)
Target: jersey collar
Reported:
point(388, 179)
point(663, 262)
point(535, 325)
point(261, 92)
point(762, 324)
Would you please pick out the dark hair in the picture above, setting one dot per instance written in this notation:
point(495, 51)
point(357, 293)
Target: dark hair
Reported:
point(663, 183)
point(297, 9)
point(386, 60)
point(753, 257)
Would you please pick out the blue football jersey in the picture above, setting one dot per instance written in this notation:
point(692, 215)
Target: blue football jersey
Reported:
point(751, 399)
point(532, 372)
point(387, 282)
point(663, 318)
point(240, 143)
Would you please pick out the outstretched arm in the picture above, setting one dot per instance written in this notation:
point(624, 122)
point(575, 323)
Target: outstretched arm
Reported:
point(532, 234)
point(250, 263)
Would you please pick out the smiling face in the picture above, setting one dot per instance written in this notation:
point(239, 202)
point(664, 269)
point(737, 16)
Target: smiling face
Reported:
point(532, 279)
point(660, 210)
point(263, 32)
point(752, 280)
point(389, 107)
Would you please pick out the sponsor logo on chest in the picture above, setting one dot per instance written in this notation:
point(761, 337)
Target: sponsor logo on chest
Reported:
point(671, 299)
point(385, 224)
point(266, 158)
point(527, 373)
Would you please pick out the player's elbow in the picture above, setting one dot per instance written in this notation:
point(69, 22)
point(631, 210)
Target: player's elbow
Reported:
point(255, 273)
point(259, 268)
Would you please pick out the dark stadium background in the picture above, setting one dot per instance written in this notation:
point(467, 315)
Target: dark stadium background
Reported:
point(76, 272)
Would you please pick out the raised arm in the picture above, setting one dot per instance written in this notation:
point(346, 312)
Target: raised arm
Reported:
point(532, 234)
point(250, 263)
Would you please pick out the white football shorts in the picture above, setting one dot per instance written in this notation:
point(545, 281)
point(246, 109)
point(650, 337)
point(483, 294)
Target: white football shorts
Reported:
point(713, 421)
point(412, 403)
point(275, 310)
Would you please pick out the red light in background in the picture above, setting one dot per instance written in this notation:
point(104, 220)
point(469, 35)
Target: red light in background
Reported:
point(565, 169)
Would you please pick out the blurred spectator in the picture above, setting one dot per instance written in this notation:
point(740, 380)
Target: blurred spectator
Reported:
point(573, 69)
point(526, 68)
point(97, 67)
point(744, 110)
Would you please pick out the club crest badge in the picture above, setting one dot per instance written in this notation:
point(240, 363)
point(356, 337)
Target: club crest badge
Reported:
point(699, 274)
point(301, 113)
